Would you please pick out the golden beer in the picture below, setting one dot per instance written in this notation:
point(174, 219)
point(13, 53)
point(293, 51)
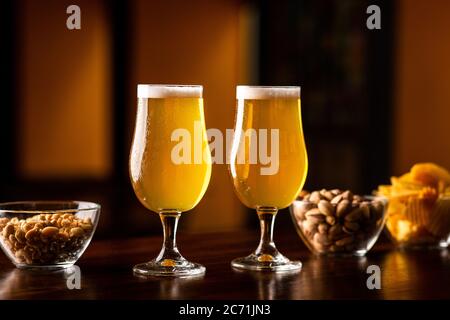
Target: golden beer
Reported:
point(159, 182)
point(281, 188)
point(167, 179)
point(268, 164)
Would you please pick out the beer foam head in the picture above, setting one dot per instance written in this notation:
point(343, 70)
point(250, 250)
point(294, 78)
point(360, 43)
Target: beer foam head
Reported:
point(263, 92)
point(169, 91)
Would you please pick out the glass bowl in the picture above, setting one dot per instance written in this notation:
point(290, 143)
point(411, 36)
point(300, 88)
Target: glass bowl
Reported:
point(46, 234)
point(414, 222)
point(350, 229)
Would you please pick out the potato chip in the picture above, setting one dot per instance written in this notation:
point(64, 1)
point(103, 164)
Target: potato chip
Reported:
point(417, 212)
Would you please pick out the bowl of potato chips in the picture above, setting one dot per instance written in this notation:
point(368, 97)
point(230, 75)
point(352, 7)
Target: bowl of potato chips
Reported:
point(418, 213)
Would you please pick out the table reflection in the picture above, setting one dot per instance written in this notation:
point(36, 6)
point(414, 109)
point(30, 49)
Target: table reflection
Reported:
point(272, 285)
point(173, 287)
point(327, 277)
point(15, 281)
point(408, 274)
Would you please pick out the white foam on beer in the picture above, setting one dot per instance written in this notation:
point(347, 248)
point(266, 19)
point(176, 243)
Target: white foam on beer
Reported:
point(169, 91)
point(262, 92)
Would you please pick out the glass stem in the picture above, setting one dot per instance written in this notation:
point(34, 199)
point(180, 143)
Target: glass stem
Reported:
point(169, 251)
point(266, 245)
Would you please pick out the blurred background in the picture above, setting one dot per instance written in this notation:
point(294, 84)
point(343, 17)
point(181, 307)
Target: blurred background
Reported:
point(373, 101)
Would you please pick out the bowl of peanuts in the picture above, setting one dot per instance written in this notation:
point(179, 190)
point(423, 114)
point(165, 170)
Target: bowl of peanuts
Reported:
point(337, 222)
point(46, 235)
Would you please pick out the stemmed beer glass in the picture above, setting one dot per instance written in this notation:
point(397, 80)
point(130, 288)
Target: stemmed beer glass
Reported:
point(170, 166)
point(268, 164)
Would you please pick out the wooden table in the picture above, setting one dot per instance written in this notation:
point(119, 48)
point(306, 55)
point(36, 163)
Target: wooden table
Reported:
point(106, 273)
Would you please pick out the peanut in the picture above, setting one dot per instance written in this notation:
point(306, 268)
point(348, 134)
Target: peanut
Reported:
point(33, 233)
point(65, 222)
point(45, 238)
point(85, 226)
point(76, 232)
point(20, 235)
point(8, 230)
point(48, 232)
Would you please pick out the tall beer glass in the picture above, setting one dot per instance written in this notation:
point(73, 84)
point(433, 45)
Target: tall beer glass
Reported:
point(170, 166)
point(268, 164)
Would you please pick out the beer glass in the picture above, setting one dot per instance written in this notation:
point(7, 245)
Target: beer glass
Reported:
point(268, 164)
point(170, 166)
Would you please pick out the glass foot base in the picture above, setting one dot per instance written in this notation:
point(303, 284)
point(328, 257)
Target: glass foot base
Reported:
point(168, 268)
point(266, 262)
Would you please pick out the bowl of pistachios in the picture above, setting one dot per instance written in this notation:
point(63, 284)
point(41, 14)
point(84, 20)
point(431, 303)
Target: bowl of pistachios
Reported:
point(338, 222)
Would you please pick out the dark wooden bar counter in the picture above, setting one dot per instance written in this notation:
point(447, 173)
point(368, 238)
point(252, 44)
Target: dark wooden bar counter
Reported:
point(106, 273)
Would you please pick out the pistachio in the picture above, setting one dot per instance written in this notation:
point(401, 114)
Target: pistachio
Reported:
point(313, 212)
point(348, 195)
point(326, 207)
point(342, 208)
point(322, 239)
point(337, 199)
point(354, 215)
point(316, 218)
point(353, 226)
point(315, 197)
point(344, 241)
point(326, 194)
point(323, 228)
point(336, 232)
point(330, 220)
point(335, 192)
point(365, 210)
